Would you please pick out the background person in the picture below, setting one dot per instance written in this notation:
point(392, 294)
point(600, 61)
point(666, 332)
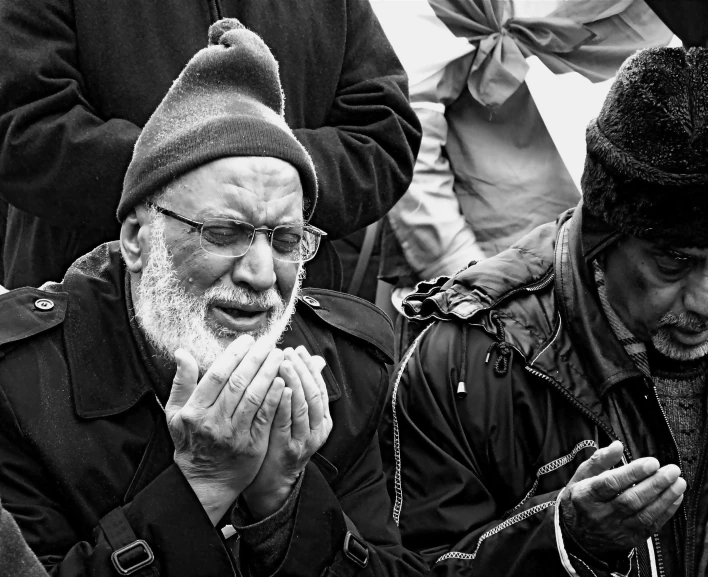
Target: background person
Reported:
point(488, 171)
point(589, 331)
point(16, 558)
point(79, 80)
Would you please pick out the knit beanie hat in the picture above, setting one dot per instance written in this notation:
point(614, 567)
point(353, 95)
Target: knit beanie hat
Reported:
point(226, 102)
point(646, 170)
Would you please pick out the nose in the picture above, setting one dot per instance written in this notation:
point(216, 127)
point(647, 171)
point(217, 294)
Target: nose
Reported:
point(255, 268)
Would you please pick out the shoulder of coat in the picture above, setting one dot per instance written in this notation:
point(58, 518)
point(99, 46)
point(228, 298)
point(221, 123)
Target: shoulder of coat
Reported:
point(352, 315)
point(28, 311)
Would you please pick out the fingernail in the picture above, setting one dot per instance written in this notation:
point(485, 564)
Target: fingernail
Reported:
point(649, 467)
point(678, 501)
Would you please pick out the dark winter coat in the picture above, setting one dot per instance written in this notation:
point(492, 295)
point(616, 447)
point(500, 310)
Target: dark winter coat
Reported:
point(79, 79)
point(475, 479)
point(86, 457)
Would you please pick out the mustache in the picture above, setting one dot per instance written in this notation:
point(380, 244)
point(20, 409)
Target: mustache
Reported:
point(241, 296)
point(685, 321)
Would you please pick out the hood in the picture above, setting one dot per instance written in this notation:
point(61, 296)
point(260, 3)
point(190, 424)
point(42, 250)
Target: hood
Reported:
point(525, 266)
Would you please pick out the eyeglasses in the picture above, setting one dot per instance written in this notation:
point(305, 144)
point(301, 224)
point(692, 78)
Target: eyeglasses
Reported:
point(230, 238)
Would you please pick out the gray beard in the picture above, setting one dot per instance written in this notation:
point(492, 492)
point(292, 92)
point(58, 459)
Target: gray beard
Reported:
point(172, 318)
point(665, 343)
point(667, 346)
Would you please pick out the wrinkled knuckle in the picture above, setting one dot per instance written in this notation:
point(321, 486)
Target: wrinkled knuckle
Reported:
point(252, 399)
point(174, 420)
point(646, 520)
point(216, 377)
point(611, 483)
point(629, 503)
point(301, 412)
point(210, 430)
point(237, 383)
point(261, 417)
point(271, 402)
point(584, 497)
point(190, 418)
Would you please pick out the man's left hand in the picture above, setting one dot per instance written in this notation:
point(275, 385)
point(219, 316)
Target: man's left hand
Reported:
point(301, 426)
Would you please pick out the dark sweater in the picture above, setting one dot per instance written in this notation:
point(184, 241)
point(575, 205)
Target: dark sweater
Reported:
point(681, 388)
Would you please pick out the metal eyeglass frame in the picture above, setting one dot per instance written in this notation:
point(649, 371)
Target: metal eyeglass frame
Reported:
point(199, 226)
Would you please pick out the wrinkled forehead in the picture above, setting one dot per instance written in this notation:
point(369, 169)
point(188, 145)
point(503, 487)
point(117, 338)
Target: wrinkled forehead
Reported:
point(260, 190)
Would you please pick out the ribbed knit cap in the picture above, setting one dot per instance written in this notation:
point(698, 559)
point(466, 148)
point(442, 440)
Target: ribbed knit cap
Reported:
point(226, 102)
point(646, 170)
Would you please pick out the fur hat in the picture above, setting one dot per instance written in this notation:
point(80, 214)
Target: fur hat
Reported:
point(646, 170)
point(226, 102)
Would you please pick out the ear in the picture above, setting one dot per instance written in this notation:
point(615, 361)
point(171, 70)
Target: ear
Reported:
point(134, 234)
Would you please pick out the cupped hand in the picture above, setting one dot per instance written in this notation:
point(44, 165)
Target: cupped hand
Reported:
point(301, 426)
point(220, 425)
point(610, 511)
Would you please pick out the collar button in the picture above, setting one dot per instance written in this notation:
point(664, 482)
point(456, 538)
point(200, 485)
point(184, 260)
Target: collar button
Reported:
point(314, 303)
point(43, 305)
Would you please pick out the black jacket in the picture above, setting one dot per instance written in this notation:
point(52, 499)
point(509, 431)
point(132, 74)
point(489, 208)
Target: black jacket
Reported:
point(86, 457)
point(475, 479)
point(79, 79)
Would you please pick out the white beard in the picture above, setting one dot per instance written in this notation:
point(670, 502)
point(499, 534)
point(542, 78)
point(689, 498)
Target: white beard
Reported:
point(172, 318)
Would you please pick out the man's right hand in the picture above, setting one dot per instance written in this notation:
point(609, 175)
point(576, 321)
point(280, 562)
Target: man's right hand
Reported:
point(609, 512)
point(221, 425)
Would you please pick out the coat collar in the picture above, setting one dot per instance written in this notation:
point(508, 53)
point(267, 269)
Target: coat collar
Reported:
point(603, 357)
point(562, 331)
point(108, 364)
point(106, 369)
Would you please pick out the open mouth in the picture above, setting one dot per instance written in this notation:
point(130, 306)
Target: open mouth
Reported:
point(239, 319)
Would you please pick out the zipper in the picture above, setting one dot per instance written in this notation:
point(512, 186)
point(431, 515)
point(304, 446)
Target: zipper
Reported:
point(659, 556)
point(673, 439)
point(578, 405)
point(215, 9)
point(543, 283)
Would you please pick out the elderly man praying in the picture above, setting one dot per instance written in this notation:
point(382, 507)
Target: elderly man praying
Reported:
point(177, 405)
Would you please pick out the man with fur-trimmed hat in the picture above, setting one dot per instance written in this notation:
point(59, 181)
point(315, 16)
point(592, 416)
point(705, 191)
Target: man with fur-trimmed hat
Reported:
point(551, 419)
point(178, 406)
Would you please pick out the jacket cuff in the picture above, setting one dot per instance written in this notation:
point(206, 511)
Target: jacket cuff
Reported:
point(266, 541)
point(320, 528)
point(169, 517)
point(568, 547)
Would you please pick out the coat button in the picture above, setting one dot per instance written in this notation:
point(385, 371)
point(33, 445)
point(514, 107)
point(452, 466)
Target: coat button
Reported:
point(43, 305)
point(311, 301)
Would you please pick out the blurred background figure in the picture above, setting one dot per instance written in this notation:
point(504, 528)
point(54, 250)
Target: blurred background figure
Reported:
point(16, 558)
point(489, 171)
point(80, 79)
